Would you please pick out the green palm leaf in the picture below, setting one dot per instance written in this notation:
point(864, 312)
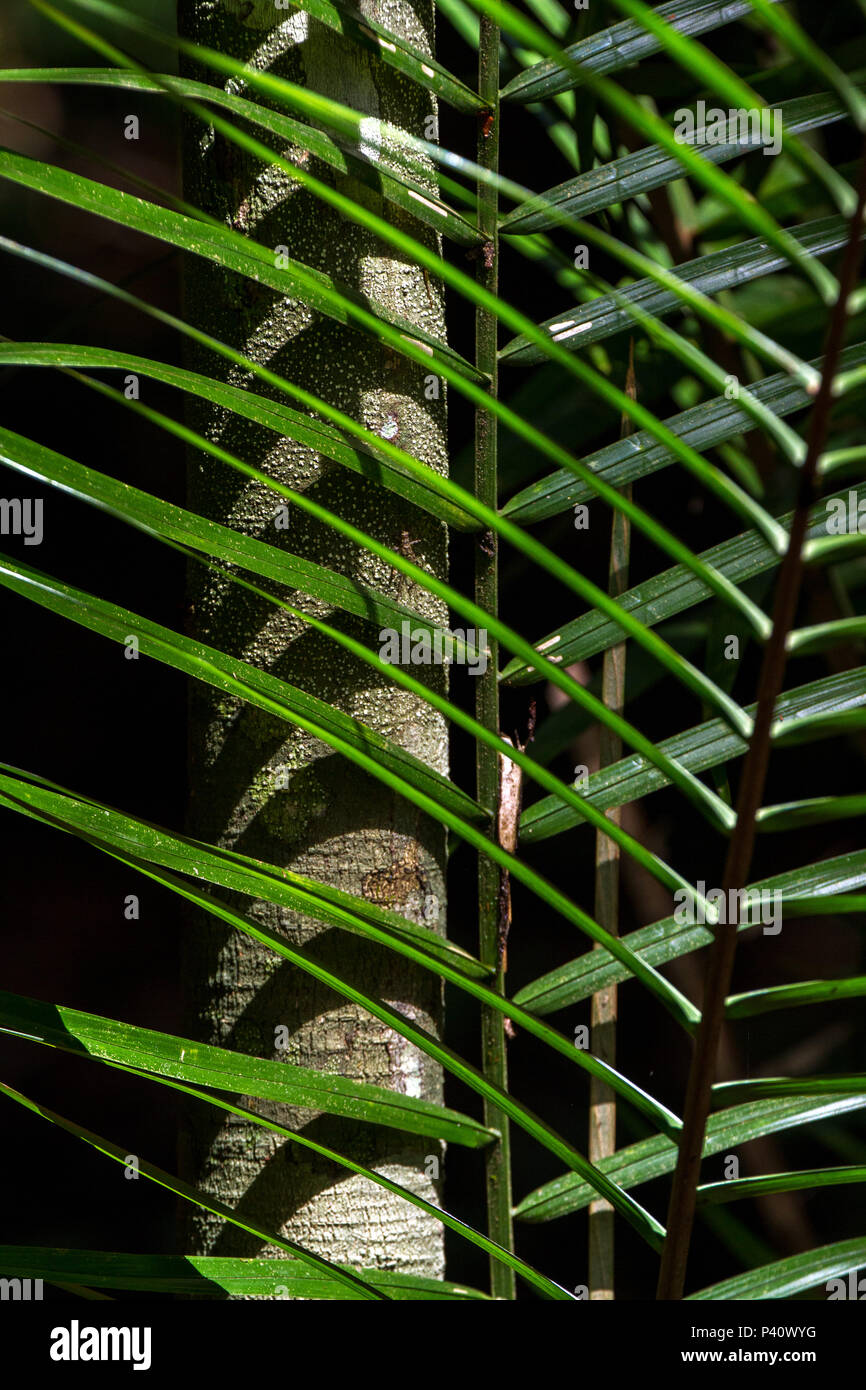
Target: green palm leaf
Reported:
point(160, 1054)
point(201, 1274)
point(787, 1278)
point(652, 1158)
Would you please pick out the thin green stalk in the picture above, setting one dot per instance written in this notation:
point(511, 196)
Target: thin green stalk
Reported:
point(494, 1060)
point(602, 1100)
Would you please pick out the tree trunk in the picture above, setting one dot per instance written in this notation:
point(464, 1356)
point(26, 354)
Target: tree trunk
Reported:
point(258, 785)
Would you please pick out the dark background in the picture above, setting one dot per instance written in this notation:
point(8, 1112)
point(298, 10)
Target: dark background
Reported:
point(76, 711)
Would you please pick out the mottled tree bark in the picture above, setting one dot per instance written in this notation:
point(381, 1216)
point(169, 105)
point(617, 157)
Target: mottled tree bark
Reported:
point(257, 784)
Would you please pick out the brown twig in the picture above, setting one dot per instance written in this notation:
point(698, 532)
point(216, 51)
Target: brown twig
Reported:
point(507, 825)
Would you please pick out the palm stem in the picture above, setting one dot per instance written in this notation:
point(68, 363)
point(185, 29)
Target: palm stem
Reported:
point(493, 1043)
point(602, 1100)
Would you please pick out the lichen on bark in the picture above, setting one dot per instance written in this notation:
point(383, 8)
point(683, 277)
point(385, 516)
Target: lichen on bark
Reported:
point(259, 785)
